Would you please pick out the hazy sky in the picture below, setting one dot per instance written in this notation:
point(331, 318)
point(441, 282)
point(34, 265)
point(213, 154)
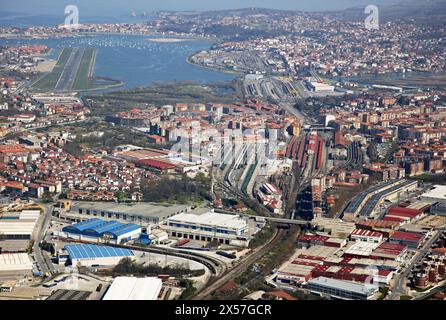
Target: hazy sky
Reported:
point(121, 7)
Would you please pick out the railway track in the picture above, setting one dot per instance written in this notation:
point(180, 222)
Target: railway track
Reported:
point(355, 156)
point(216, 266)
point(214, 284)
point(211, 263)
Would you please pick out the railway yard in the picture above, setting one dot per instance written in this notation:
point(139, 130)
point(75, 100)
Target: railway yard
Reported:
point(290, 180)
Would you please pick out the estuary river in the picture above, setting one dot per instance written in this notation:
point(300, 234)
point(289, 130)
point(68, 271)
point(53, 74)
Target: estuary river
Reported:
point(135, 60)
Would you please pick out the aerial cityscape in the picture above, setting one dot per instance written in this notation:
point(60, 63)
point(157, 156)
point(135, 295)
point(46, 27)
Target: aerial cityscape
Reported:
point(255, 154)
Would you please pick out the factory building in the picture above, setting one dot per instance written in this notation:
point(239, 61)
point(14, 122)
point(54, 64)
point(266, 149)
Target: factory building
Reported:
point(316, 86)
point(410, 239)
point(366, 235)
point(439, 208)
point(403, 215)
point(15, 264)
point(337, 228)
point(92, 255)
point(130, 288)
point(389, 251)
point(436, 194)
point(94, 230)
point(140, 213)
point(209, 226)
point(341, 289)
point(18, 225)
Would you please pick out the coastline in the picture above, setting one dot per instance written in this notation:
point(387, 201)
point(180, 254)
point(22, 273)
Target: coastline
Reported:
point(169, 40)
point(83, 34)
point(189, 61)
point(156, 38)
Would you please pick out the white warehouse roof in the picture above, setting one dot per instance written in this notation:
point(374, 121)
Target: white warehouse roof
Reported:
point(438, 193)
point(211, 219)
point(129, 288)
point(29, 215)
point(17, 228)
point(22, 223)
point(15, 262)
point(344, 285)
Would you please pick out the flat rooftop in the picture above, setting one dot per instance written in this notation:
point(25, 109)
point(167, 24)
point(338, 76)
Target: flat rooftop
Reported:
point(211, 219)
point(19, 223)
point(130, 288)
point(293, 269)
point(343, 285)
point(361, 248)
point(135, 209)
point(15, 262)
point(316, 252)
point(438, 192)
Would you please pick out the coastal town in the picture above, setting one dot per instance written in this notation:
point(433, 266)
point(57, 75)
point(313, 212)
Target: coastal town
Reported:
point(318, 172)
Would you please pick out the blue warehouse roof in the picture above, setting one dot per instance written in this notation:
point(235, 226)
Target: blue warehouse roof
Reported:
point(91, 251)
point(97, 228)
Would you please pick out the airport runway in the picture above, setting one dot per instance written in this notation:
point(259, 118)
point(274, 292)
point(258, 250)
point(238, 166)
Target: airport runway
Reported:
point(68, 76)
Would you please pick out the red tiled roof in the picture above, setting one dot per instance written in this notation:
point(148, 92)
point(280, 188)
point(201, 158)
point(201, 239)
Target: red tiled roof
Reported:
point(160, 165)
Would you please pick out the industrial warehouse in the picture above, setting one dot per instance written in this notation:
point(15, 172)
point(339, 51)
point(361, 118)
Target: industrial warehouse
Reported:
point(141, 213)
point(92, 255)
point(341, 289)
point(18, 225)
point(95, 230)
point(436, 194)
point(209, 226)
point(130, 288)
point(15, 264)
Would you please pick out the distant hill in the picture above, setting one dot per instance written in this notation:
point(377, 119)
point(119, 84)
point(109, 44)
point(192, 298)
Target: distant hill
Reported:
point(430, 11)
point(230, 12)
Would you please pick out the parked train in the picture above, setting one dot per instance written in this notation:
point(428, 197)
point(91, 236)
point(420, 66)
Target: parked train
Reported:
point(227, 255)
